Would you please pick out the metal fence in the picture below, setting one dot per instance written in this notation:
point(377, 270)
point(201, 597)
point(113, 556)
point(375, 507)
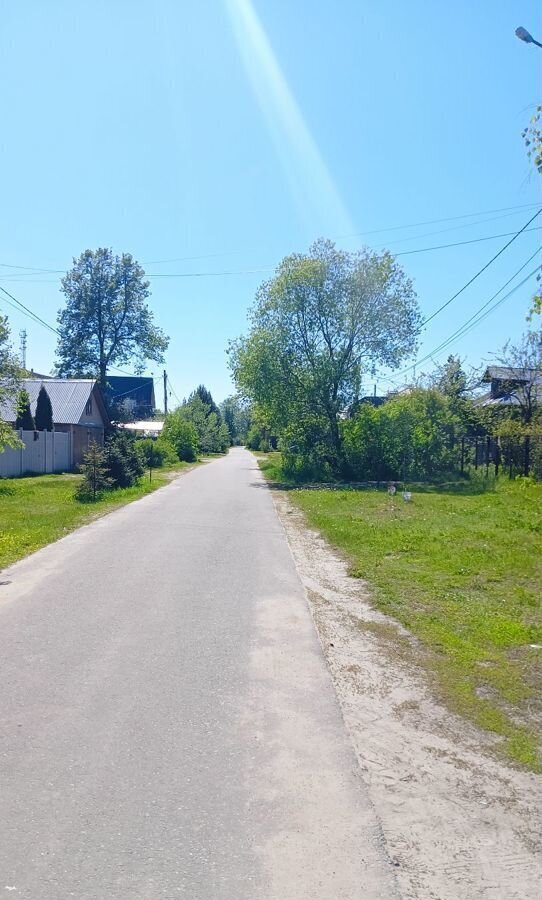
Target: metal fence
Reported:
point(502, 455)
point(43, 452)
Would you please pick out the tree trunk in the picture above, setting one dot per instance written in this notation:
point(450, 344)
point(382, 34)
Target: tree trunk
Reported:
point(336, 442)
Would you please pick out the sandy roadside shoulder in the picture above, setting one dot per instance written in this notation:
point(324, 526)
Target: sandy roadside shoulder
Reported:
point(457, 822)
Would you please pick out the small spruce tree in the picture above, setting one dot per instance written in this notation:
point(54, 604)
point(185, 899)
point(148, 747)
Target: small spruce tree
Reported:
point(124, 464)
point(44, 411)
point(95, 478)
point(24, 418)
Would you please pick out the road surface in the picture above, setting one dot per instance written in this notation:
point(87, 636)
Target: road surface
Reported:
point(168, 727)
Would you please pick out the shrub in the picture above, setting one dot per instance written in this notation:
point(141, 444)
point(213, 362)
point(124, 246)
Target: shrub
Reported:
point(124, 464)
point(95, 474)
point(413, 435)
point(254, 438)
point(306, 451)
point(182, 436)
point(168, 451)
point(152, 453)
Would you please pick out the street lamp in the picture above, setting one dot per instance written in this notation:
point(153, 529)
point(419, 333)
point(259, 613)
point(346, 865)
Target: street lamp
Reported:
point(524, 35)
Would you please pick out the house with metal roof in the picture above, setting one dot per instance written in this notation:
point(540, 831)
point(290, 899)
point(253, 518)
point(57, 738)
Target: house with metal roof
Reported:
point(130, 395)
point(78, 409)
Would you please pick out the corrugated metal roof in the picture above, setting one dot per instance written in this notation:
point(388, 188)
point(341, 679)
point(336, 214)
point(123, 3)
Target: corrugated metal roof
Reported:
point(68, 396)
point(509, 373)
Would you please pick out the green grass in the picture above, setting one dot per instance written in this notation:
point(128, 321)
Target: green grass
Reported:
point(461, 568)
point(39, 509)
point(270, 464)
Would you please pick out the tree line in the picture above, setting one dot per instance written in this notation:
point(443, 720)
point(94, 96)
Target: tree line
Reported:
point(327, 320)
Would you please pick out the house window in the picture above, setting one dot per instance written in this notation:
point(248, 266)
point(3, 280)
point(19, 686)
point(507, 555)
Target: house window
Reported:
point(88, 407)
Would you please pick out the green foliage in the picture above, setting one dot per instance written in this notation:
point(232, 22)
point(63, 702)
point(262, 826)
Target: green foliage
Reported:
point(322, 320)
point(44, 411)
point(181, 434)
point(236, 415)
point(411, 436)
point(153, 454)
point(10, 375)
point(255, 438)
point(95, 475)
point(212, 434)
point(106, 320)
point(124, 463)
point(168, 452)
point(532, 135)
point(24, 418)
point(306, 451)
point(207, 399)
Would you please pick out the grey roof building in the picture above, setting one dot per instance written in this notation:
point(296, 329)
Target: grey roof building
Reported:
point(78, 408)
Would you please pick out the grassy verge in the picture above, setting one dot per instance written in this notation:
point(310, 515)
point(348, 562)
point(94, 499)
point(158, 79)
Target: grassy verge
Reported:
point(37, 510)
point(462, 569)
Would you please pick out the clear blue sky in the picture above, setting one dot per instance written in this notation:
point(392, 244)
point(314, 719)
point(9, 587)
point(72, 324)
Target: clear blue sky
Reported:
point(235, 132)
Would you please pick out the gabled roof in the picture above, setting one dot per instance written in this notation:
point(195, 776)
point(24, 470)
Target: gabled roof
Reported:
point(509, 373)
point(133, 387)
point(68, 396)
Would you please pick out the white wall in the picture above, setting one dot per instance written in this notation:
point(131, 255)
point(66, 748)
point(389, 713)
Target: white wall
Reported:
point(44, 451)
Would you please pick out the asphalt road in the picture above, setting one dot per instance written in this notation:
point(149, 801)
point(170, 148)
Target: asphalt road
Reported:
point(168, 726)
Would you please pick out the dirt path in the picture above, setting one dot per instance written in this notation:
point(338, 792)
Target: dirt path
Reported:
point(457, 822)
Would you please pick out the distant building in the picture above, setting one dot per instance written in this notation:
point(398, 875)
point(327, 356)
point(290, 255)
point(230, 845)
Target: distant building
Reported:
point(509, 385)
point(130, 396)
point(78, 408)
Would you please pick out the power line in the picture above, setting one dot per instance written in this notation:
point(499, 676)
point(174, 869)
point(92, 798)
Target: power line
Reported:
point(438, 221)
point(155, 262)
point(467, 326)
point(26, 311)
point(470, 323)
point(510, 210)
point(480, 271)
point(489, 237)
point(417, 237)
point(173, 391)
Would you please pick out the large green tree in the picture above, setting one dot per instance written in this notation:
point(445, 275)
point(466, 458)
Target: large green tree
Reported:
point(10, 375)
point(106, 320)
point(324, 319)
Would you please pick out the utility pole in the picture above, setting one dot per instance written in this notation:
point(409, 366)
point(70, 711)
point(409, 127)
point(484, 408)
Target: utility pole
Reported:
point(165, 392)
point(22, 335)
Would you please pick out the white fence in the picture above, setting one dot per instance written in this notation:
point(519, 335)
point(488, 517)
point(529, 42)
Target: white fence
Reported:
point(43, 452)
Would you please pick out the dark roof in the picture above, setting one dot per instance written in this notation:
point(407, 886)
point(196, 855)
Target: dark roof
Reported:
point(132, 387)
point(509, 373)
point(68, 397)
point(372, 400)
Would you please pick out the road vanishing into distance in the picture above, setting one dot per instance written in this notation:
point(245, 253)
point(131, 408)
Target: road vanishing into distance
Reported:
point(168, 726)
